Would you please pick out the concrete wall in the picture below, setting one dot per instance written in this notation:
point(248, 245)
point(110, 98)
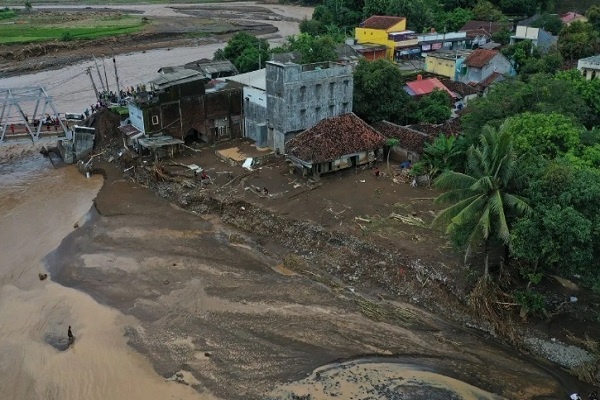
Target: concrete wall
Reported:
point(136, 116)
point(440, 66)
point(299, 96)
point(380, 36)
point(497, 64)
point(255, 115)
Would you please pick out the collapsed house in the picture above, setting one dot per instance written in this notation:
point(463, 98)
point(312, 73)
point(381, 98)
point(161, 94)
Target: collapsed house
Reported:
point(187, 105)
point(333, 144)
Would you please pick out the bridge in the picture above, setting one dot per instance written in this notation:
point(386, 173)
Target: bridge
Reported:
point(28, 114)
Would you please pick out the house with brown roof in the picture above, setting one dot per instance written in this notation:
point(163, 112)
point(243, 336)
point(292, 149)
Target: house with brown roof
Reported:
point(482, 63)
point(411, 141)
point(481, 32)
point(388, 31)
point(333, 144)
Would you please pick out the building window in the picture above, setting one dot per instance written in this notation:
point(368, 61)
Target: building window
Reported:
point(303, 116)
point(318, 111)
point(331, 88)
point(318, 90)
point(345, 107)
point(331, 110)
point(302, 92)
point(155, 120)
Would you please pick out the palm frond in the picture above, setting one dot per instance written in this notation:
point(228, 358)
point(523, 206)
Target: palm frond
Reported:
point(496, 206)
point(517, 203)
point(453, 180)
point(470, 212)
point(446, 216)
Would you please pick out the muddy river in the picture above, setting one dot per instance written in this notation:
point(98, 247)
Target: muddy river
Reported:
point(164, 304)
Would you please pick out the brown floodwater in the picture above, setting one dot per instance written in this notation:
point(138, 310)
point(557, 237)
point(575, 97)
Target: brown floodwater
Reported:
point(39, 206)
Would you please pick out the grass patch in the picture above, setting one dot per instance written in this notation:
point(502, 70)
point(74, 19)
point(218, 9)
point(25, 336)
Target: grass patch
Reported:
point(7, 13)
point(28, 30)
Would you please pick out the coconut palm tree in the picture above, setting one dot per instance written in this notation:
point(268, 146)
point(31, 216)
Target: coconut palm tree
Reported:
point(480, 197)
point(390, 143)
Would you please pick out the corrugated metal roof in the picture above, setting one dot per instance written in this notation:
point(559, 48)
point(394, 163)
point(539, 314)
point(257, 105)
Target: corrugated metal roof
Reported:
point(256, 79)
point(165, 80)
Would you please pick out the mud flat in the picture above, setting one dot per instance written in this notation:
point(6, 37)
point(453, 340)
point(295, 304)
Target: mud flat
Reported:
point(39, 206)
point(212, 312)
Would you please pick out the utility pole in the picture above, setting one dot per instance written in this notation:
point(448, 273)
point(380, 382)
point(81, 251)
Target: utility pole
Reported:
point(117, 79)
point(105, 76)
point(99, 76)
point(259, 54)
point(88, 71)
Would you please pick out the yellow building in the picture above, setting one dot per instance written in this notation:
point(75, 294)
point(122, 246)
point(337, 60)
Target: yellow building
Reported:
point(445, 62)
point(388, 31)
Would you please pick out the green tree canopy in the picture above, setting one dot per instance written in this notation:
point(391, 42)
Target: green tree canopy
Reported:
point(435, 107)
point(246, 52)
point(482, 201)
point(562, 235)
point(548, 22)
point(379, 92)
point(486, 11)
point(578, 40)
point(312, 27)
point(588, 90)
point(540, 94)
point(549, 135)
point(440, 155)
point(452, 21)
point(313, 48)
point(593, 16)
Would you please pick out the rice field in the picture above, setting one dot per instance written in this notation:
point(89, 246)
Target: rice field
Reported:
point(28, 28)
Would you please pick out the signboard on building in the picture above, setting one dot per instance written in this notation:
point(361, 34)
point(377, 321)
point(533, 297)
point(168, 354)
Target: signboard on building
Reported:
point(436, 46)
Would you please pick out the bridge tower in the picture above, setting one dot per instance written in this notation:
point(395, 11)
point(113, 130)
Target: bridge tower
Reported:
point(24, 113)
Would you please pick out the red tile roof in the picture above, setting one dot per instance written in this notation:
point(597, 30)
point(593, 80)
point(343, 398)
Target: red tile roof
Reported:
point(333, 138)
point(480, 57)
point(380, 22)
point(426, 86)
point(410, 139)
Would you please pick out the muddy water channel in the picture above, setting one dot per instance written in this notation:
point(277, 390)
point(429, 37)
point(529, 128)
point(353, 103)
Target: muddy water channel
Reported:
point(165, 304)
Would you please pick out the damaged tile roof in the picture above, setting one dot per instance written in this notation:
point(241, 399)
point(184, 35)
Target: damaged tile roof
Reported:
point(494, 76)
point(452, 127)
point(482, 28)
point(333, 138)
point(480, 57)
point(410, 139)
point(380, 22)
point(460, 88)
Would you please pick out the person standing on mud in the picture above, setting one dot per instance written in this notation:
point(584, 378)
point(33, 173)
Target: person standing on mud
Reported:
point(70, 335)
